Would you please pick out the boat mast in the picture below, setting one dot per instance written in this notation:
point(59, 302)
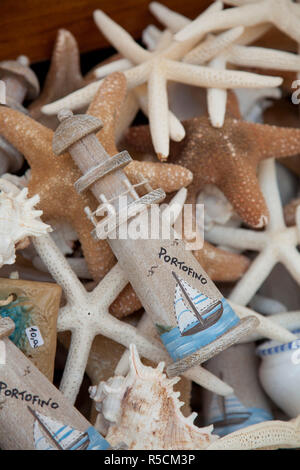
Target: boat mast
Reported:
point(195, 311)
point(44, 428)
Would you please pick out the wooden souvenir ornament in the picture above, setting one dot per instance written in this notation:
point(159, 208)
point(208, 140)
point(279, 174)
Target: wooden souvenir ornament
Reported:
point(33, 308)
point(193, 319)
point(34, 415)
point(238, 366)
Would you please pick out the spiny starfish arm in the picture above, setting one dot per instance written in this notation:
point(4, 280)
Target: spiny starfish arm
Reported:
point(170, 19)
point(206, 77)
point(206, 379)
point(263, 57)
point(173, 20)
point(269, 433)
point(167, 176)
point(120, 39)
point(290, 257)
point(273, 141)
point(245, 15)
point(76, 100)
point(243, 192)
point(287, 320)
point(151, 35)
point(109, 287)
point(267, 328)
point(64, 74)
point(216, 263)
point(254, 277)
point(270, 190)
point(176, 129)
point(212, 46)
point(106, 106)
point(217, 98)
point(79, 350)
point(239, 238)
point(216, 105)
point(158, 112)
point(59, 268)
point(115, 66)
point(27, 135)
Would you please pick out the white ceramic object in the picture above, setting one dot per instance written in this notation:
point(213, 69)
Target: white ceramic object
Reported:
point(279, 374)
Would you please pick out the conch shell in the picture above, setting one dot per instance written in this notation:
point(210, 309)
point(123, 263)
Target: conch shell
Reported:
point(18, 220)
point(144, 411)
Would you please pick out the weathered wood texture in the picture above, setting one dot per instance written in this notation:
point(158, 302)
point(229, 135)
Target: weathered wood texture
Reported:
point(30, 26)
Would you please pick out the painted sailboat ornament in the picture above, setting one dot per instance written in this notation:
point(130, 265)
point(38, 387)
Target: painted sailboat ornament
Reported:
point(202, 318)
point(64, 437)
point(228, 414)
point(194, 311)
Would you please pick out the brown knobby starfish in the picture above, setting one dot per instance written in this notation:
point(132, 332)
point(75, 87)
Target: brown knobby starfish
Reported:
point(286, 114)
point(53, 177)
point(64, 76)
point(227, 157)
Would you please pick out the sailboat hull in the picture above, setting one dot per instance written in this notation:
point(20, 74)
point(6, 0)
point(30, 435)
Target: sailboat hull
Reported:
point(211, 319)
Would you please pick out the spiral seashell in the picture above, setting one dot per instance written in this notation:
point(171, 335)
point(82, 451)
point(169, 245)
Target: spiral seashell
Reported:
point(144, 411)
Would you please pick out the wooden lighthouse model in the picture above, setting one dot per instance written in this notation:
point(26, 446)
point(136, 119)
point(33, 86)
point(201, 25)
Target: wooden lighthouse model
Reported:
point(167, 278)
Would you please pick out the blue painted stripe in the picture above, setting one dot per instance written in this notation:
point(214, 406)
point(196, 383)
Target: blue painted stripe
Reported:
point(59, 431)
point(182, 312)
point(64, 436)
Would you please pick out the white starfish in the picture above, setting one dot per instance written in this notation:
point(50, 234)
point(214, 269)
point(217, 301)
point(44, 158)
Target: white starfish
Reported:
point(284, 14)
point(276, 244)
point(287, 320)
point(229, 47)
point(267, 435)
point(155, 69)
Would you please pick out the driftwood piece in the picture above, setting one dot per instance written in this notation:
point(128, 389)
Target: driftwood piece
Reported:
point(26, 396)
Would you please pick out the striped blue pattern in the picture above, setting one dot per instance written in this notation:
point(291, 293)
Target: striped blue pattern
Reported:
point(264, 350)
point(257, 415)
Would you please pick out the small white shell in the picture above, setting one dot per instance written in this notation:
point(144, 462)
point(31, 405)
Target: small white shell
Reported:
point(144, 411)
point(18, 219)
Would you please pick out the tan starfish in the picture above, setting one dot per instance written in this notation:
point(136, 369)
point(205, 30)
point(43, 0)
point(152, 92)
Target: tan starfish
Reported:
point(64, 76)
point(227, 157)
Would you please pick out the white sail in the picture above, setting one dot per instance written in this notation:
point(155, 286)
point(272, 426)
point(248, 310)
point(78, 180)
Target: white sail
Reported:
point(40, 441)
point(184, 313)
point(63, 434)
